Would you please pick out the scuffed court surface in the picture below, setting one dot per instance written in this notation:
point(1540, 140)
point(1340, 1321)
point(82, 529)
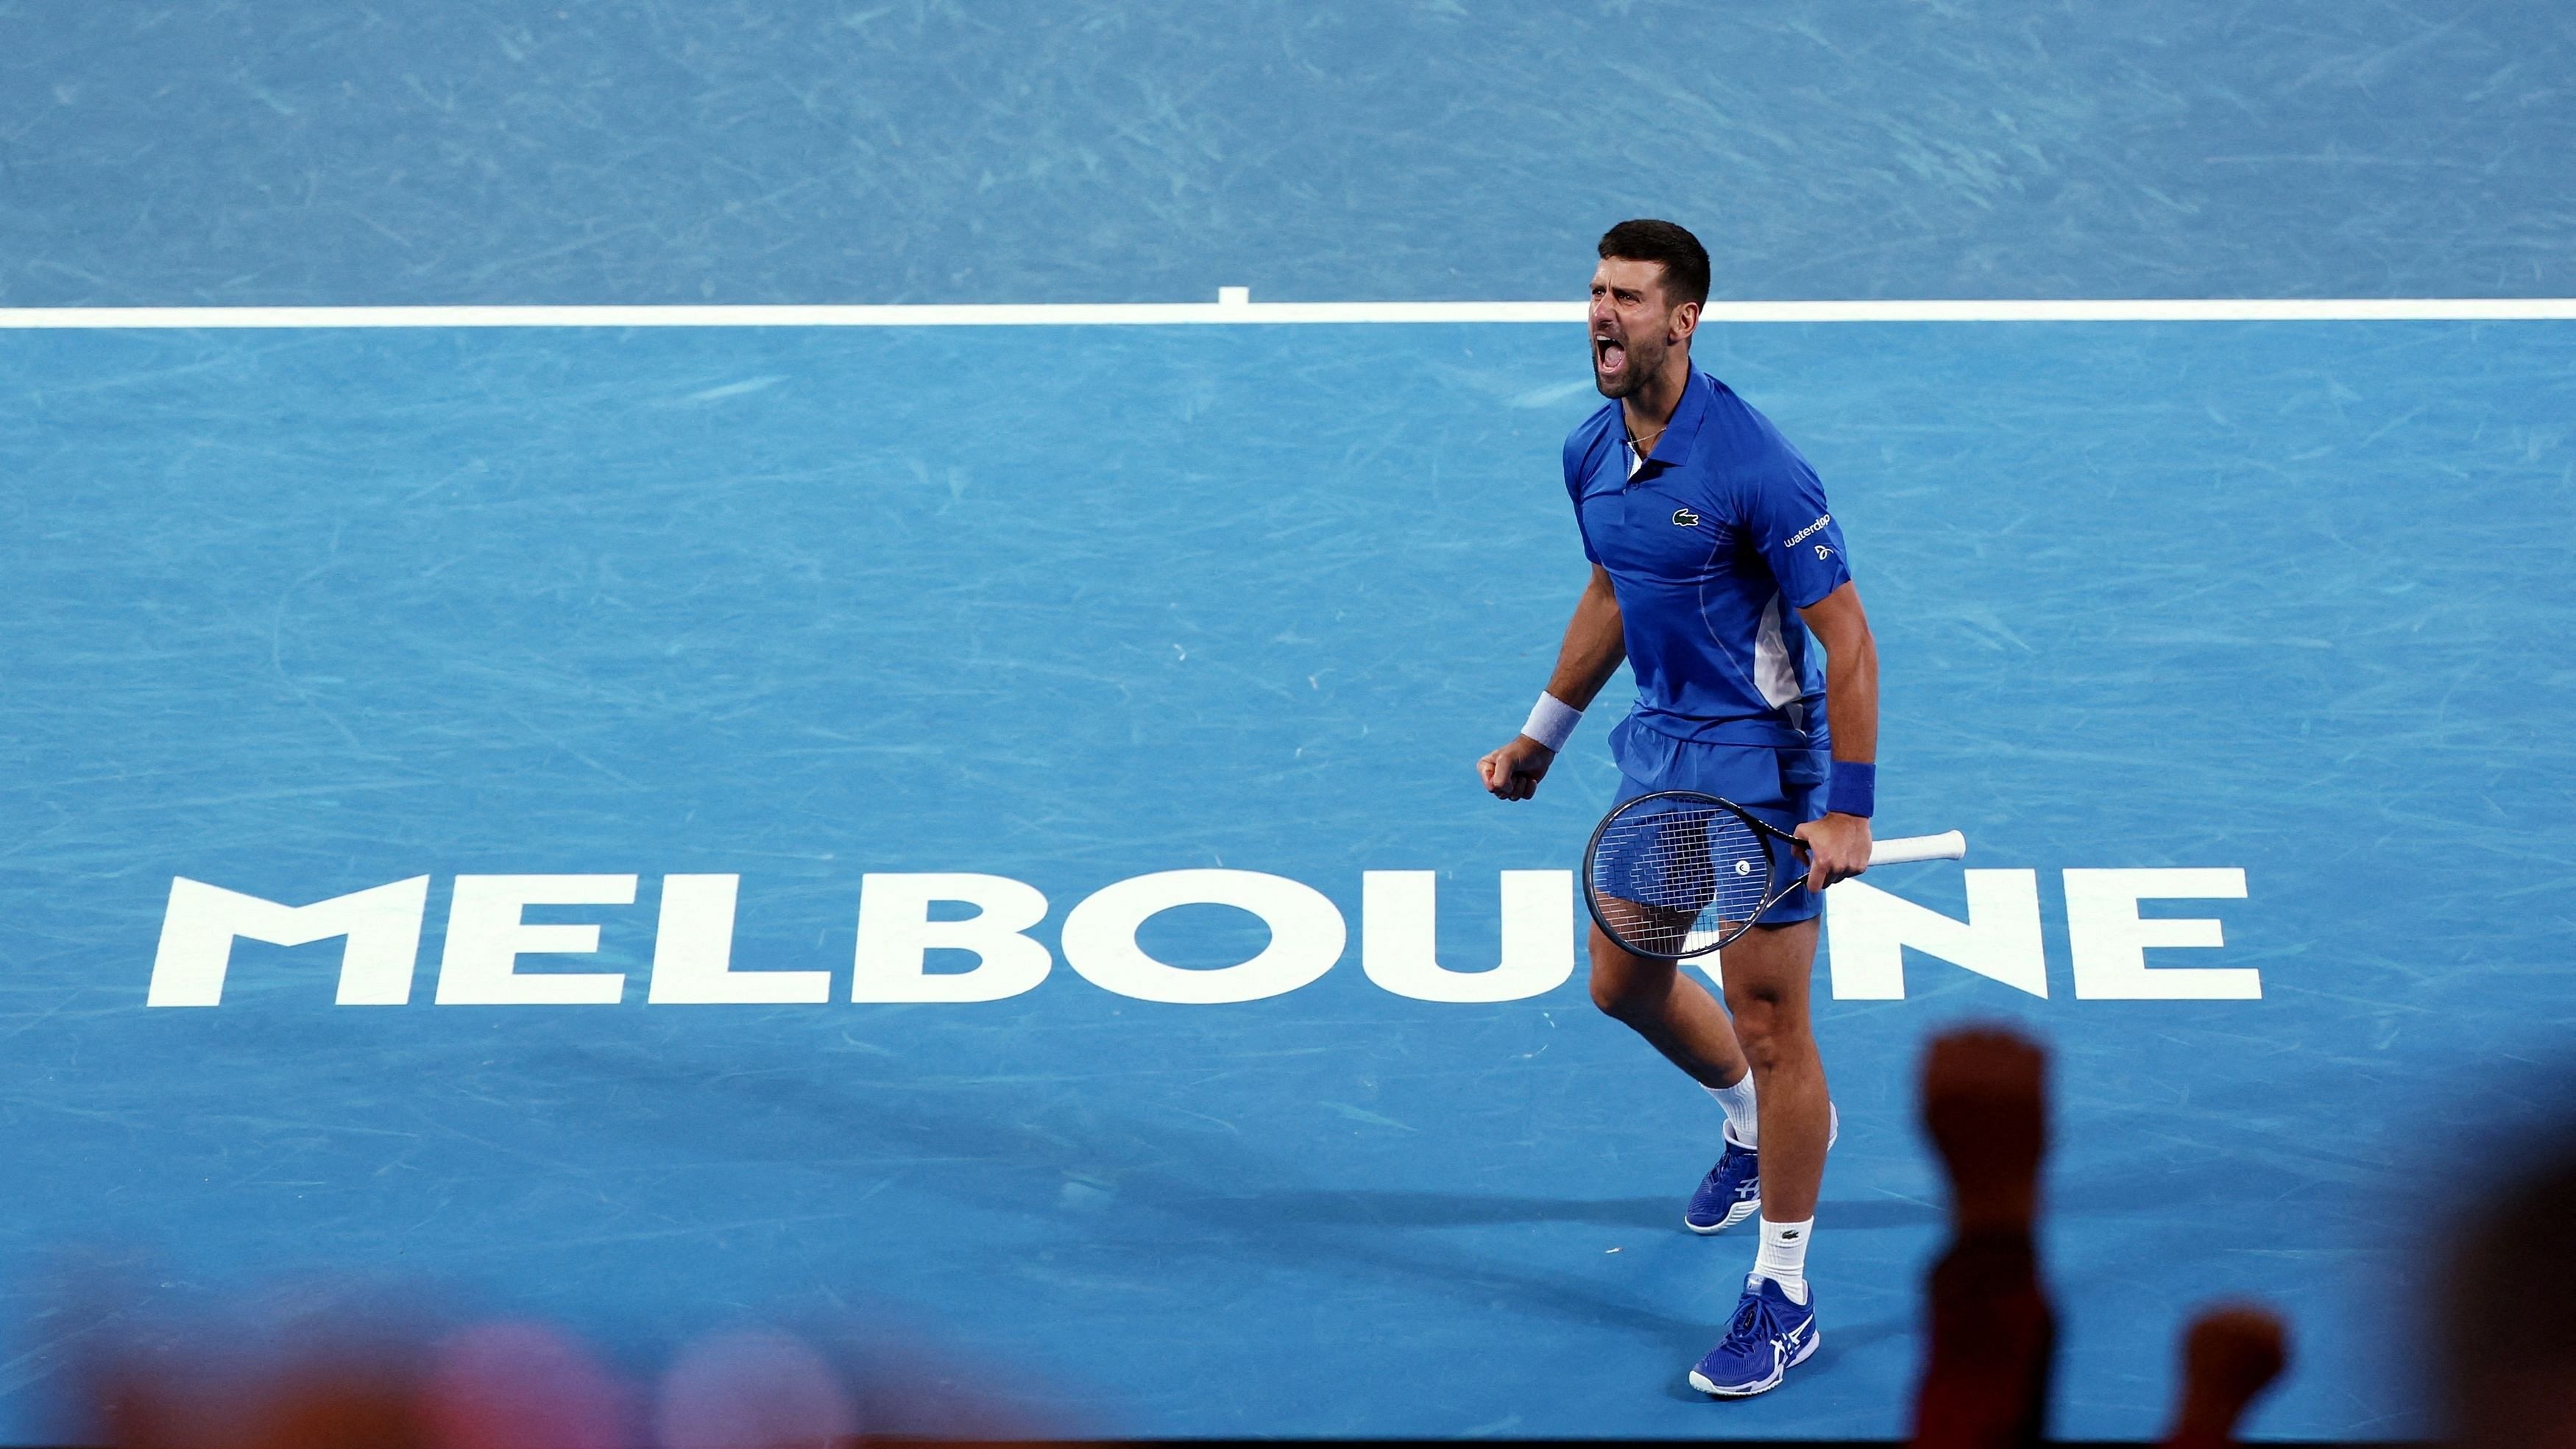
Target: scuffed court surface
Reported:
point(302, 613)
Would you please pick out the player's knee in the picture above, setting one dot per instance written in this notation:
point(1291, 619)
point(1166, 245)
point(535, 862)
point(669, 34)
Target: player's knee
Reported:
point(1767, 1025)
point(1764, 1051)
point(1626, 996)
point(1613, 998)
point(1751, 1004)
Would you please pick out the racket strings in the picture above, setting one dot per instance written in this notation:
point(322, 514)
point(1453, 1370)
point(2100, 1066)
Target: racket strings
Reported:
point(1675, 881)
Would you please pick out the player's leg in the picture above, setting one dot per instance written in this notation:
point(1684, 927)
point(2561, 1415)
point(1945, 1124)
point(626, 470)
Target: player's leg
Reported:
point(1766, 972)
point(1774, 1327)
point(1670, 1009)
point(1681, 1018)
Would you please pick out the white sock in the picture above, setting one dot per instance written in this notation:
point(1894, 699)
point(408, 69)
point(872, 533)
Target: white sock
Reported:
point(1783, 1258)
point(1743, 1124)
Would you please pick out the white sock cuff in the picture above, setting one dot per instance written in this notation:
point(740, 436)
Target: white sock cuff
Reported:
point(1743, 1119)
point(1783, 1256)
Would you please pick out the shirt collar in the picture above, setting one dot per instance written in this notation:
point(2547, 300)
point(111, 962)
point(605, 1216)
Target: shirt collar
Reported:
point(1682, 429)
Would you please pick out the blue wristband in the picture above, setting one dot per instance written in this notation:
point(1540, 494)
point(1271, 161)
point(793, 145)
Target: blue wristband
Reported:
point(1853, 790)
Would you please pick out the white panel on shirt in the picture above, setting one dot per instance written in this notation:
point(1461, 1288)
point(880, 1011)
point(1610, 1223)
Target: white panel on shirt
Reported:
point(1771, 672)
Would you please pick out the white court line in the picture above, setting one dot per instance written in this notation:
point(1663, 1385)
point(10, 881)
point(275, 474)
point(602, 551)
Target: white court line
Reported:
point(1235, 308)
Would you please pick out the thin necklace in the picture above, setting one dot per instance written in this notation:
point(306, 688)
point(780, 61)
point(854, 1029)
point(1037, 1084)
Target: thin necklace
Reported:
point(1640, 446)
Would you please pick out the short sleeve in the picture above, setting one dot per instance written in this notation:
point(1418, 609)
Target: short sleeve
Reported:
point(1574, 495)
point(1785, 513)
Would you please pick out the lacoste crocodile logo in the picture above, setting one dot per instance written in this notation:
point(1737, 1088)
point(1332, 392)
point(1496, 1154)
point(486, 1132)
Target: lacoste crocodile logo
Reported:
point(1684, 518)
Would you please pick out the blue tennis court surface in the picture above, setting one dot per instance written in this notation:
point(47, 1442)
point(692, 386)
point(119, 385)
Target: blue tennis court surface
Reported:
point(2238, 652)
point(303, 614)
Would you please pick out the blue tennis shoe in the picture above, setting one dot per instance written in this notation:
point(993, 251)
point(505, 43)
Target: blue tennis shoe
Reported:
point(1730, 1193)
point(1769, 1337)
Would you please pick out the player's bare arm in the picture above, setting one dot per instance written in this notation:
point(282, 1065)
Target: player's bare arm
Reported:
point(1838, 845)
point(1594, 645)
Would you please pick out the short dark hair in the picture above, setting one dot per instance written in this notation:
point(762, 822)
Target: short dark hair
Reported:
point(1684, 260)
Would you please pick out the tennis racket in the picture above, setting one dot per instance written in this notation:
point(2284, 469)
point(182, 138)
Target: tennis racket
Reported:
point(1677, 874)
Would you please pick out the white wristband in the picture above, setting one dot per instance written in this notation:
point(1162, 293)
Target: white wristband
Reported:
point(1552, 722)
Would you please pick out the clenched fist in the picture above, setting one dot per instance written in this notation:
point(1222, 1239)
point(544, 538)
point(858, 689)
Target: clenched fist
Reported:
point(1513, 772)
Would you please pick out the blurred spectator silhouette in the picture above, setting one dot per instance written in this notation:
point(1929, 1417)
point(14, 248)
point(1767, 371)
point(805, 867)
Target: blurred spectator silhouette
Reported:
point(511, 1384)
point(2508, 1310)
point(1991, 1334)
point(2231, 1354)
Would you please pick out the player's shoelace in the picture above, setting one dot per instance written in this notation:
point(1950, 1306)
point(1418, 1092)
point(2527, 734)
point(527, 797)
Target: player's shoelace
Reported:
point(1753, 1324)
point(1732, 1164)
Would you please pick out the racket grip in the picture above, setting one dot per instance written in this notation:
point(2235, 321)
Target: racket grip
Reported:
point(1905, 849)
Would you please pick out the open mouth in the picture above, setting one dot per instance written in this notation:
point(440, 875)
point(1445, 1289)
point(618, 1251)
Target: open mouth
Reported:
point(1609, 356)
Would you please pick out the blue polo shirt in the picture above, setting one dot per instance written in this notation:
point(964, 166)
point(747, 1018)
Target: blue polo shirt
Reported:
point(1713, 546)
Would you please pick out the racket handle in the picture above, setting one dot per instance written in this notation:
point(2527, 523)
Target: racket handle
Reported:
point(1905, 849)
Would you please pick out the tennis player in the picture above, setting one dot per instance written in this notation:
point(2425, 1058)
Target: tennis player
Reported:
point(1717, 572)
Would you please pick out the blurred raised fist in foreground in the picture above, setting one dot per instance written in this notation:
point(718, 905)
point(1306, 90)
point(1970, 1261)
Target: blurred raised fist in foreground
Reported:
point(2232, 1353)
point(1991, 1334)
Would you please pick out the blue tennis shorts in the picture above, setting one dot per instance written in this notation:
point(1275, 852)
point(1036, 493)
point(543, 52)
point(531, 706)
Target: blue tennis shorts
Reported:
point(1782, 787)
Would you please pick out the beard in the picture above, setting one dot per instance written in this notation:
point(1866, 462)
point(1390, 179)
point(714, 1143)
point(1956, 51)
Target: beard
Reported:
point(1639, 361)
